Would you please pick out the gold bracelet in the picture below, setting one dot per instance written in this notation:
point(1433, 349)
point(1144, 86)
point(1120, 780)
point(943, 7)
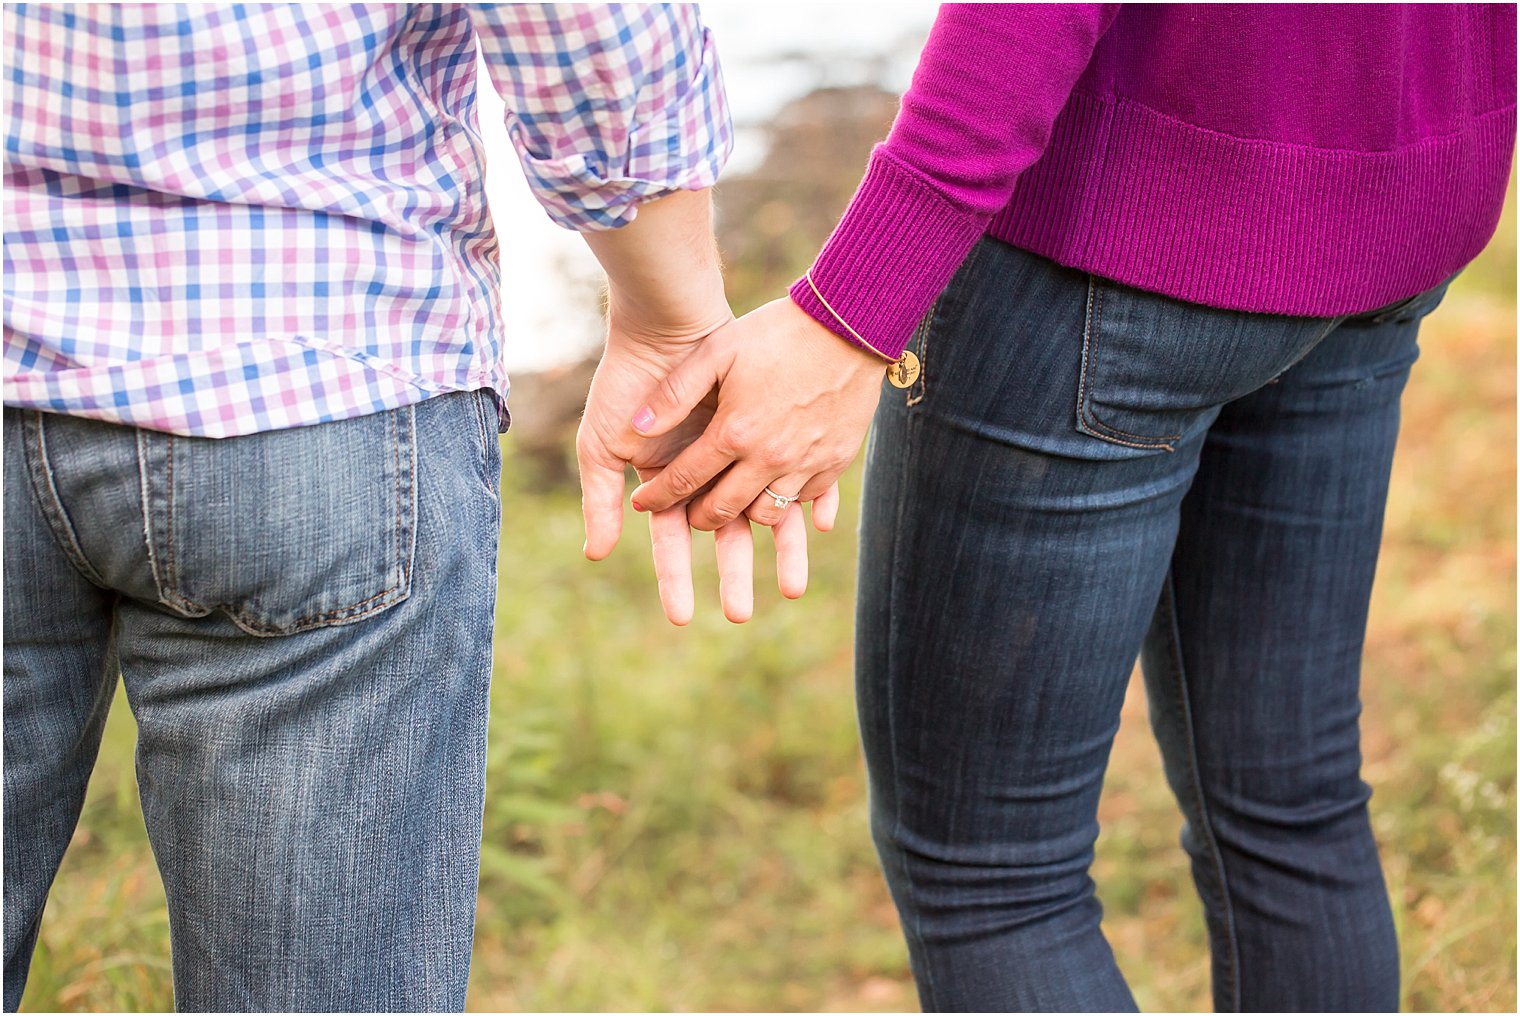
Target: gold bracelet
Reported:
point(902, 371)
point(858, 337)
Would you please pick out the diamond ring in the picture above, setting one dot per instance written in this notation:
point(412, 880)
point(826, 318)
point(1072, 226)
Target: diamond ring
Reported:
point(781, 499)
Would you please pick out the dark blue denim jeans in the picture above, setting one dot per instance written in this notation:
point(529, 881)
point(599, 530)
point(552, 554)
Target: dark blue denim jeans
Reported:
point(1083, 473)
point(302, 620)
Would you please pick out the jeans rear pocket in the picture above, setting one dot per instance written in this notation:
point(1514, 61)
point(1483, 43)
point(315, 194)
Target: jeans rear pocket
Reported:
point(285, 530)
point(1154, 367)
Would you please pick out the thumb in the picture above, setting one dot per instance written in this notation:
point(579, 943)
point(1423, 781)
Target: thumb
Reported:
point(674, 398)
point(601, 497)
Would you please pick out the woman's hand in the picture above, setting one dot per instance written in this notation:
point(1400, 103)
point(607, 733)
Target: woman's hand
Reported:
point(634, 362)
point(793, 404)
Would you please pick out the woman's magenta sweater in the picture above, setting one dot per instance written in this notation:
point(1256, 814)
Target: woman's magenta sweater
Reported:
point(1309, 159)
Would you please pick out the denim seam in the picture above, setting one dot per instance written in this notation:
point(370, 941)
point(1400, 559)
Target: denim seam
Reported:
point(50, 504)
point(480, 424)
point(1179, 687)
point(407, 522)
point(1087, 421)
point(1095, 336)
point(145, 496)
point(351, 612)
point(484, 402)
point(912, 423)
point(169, 592)
point(170, 589)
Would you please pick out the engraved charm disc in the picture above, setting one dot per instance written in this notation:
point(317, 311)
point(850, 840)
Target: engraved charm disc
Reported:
point(905, 371)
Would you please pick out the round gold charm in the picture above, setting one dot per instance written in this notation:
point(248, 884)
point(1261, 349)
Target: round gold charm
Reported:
point(905, 371)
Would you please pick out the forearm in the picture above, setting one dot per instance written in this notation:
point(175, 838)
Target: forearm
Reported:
point(663, 272)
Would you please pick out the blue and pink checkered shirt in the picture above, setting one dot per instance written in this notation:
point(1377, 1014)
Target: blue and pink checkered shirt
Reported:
point(228, 218)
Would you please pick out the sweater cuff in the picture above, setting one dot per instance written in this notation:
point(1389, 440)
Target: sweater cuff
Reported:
point(896, 248)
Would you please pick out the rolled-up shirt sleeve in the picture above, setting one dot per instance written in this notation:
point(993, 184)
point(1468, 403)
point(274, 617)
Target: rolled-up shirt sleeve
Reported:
point(608, 105)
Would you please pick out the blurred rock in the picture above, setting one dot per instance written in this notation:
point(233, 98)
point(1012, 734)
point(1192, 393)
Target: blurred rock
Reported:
point(772, 221)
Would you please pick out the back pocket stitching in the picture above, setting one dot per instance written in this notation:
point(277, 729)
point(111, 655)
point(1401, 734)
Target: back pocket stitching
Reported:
point(1087, 421)
point(405, 482)
point(370, 604)
point(45, 494)
point(169, 592)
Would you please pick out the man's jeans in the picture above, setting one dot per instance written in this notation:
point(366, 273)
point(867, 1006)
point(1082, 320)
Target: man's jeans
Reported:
point(1081, 471)
point(302, 619)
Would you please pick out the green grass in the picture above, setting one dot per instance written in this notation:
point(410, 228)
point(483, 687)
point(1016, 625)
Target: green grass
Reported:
point(676, 818)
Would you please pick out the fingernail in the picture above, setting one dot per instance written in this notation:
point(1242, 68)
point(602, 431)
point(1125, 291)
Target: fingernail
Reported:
point(637, 507)
point(643, 419)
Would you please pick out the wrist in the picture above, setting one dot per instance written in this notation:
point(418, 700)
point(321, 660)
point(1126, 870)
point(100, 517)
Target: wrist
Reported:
point(664, 276)
point(805, 297)
point(678, 305)
point(671, 318)
point(831, 346)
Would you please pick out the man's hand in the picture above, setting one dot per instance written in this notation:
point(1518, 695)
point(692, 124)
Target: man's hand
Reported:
point(794, 401)
point(632, 364)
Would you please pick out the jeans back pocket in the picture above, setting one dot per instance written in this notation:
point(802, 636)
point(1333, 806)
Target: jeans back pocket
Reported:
point(1154, 367)
point(285, 530)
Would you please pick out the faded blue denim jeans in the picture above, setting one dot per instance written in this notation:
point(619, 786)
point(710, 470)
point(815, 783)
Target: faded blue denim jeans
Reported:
point(1085, 473)
point(302, 621)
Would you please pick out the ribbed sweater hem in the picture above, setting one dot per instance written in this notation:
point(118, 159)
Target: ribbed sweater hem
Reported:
point(1129, 194)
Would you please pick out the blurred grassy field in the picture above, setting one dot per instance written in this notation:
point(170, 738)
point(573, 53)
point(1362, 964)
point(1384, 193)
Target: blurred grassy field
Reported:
point(676, 818)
